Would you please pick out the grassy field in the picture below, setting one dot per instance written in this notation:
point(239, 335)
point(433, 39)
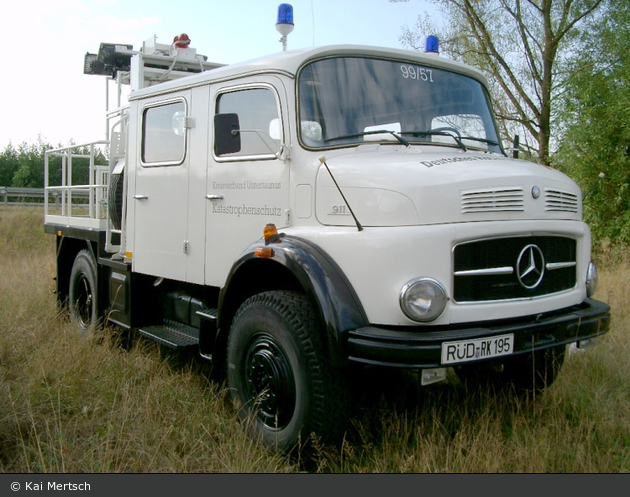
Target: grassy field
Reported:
point(109, 403)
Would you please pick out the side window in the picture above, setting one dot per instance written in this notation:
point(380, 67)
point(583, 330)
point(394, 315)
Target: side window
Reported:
point(164, 134)
point(259, 123)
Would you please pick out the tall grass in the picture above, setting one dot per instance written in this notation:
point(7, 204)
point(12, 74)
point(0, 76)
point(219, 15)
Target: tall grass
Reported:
point(95, 404)
point(111, 403)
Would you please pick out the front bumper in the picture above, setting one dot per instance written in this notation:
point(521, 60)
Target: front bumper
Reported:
point(422, 349)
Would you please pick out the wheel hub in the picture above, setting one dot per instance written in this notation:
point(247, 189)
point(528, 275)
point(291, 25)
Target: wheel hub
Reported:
point(270, 382)
point(84, 302)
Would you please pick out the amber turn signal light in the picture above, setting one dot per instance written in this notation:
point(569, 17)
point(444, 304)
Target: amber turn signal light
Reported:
point(264, 252)
point(270, 231)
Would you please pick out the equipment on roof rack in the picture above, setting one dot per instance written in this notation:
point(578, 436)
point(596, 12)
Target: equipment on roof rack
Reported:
point(110, 59)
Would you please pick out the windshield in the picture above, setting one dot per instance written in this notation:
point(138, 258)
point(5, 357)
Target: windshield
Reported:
point(353, 100)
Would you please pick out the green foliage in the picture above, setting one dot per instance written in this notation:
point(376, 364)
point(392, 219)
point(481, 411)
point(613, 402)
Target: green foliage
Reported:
point(24, 167)
point(596, 113)
point(9, 164)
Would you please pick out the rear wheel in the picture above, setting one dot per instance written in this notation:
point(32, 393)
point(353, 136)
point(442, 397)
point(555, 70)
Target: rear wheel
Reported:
point(82, 295)
point(278, 376)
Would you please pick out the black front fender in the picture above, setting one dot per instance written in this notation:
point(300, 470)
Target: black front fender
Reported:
point(296, 264)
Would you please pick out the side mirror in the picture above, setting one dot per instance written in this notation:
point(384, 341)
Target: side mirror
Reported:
point(227, 135)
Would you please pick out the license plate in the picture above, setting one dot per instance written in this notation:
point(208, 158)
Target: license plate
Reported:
point(479, 348)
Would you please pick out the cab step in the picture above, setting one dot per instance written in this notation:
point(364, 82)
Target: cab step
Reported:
point(172, 334)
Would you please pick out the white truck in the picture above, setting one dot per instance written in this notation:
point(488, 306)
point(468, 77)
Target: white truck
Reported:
point(316, 211)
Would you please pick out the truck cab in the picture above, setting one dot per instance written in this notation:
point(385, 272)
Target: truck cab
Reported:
point(316, 211)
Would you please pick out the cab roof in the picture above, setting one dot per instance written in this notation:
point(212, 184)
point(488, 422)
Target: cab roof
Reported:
point(289, 63)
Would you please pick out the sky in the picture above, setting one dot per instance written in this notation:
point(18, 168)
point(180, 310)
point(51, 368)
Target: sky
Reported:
point(47, 96)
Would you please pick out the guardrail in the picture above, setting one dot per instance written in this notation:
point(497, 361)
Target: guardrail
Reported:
point(10, 195)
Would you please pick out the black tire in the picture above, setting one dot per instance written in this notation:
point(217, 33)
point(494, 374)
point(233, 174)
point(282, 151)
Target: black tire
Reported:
point(284, 389)
point(83, 291)
point(525, 373)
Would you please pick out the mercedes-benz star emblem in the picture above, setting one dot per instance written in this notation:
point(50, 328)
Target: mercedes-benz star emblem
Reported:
point(530, 267)
point(535, 192)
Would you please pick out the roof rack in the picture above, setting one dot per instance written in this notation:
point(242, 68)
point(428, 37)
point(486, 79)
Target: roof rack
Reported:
point(153, 64)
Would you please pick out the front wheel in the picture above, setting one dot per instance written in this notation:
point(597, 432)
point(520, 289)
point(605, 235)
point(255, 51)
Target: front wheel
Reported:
point(82, 295)
point(284, 388)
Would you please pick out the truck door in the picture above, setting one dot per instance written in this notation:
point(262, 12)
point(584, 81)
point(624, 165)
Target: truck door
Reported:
point(247, 188)
point(161, 192)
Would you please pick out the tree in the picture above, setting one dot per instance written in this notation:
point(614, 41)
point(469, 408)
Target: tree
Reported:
point(9, 164)
point(521, 46)
point(24, 166)
point(596, 112)
point(30, 172)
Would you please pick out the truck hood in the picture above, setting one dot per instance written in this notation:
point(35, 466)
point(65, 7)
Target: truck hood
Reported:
point(411, 186)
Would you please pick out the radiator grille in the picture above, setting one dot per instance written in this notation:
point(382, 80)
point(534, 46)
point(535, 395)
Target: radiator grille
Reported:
point(508, 268)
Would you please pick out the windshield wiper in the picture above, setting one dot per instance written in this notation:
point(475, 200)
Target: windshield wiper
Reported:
point(454, 134)
point(483, 140)
point(374, 132)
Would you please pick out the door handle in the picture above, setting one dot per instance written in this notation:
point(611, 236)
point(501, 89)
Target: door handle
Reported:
point(214, 197)
point(141, 197)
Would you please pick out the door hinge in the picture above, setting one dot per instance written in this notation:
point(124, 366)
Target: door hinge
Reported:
point(185, 246)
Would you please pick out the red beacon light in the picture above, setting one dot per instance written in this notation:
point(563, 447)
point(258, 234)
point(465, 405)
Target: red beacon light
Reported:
point(181, 49)
point(181, 41)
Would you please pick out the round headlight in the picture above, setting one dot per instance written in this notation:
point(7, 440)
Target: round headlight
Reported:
point(591, 279)
point(423, 299)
